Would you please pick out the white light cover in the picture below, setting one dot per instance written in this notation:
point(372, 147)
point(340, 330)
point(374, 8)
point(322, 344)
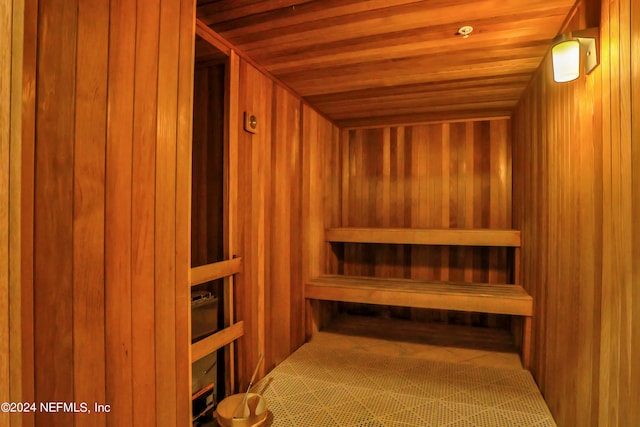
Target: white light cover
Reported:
point(566, 61)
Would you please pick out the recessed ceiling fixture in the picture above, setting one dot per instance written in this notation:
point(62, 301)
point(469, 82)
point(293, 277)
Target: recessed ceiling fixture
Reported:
point(567, 50)
point(465, 31)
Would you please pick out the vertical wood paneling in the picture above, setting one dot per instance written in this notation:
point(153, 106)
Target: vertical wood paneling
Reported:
point(143, 212)
point(431, 176)
point(255, 98)
point(620, 321)
point(27, 177)
point(89, 206)
point(231, 201)
point(271, 203)
point(118, 213)
point(11, 347)
point(111, 258)
point(165, 217)
point(6, 83)
point(283, 300)
point(634, 410)
point(53, 248)
point(574, 200)
point(183, 215)
point(319, 152)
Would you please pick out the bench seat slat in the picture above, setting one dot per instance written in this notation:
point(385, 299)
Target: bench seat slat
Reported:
point(425, 236)
point(478, 297)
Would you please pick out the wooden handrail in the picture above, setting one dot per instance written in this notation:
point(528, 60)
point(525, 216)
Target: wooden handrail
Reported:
point(216, 341)
point(217, 270)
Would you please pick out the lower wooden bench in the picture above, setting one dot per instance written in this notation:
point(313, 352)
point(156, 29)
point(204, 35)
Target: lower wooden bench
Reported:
point(477, 297)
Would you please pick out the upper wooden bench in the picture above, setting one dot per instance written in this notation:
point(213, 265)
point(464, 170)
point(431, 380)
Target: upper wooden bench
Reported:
point(424, 236)
point(480, 297)
point(497, 298)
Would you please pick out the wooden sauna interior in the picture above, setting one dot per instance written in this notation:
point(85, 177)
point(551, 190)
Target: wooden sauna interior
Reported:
point(373, 118)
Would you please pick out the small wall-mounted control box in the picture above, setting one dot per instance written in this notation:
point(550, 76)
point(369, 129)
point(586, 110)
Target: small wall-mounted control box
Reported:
point(250, 122)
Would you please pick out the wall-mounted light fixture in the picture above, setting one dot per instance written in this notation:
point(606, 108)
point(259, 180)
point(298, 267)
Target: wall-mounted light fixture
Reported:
point(569, 49)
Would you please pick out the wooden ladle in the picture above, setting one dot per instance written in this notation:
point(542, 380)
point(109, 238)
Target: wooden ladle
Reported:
point(242, 409)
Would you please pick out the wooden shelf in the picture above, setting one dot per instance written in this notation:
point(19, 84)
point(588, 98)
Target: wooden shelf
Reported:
point(479, 297)
point(425, 236)
point(218, 340)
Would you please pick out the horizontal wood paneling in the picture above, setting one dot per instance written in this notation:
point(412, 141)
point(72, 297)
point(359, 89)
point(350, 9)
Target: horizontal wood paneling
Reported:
point(454, 175)
point(393, 57)
point(574, 202)
point(111, 268)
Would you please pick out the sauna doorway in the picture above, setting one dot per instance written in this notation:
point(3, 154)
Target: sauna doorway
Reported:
point(213, 191)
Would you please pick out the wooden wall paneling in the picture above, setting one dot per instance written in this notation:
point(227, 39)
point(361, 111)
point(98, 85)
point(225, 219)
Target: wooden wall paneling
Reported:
point(89, 207)
point(295, 159)
point(499, 181)
point(183, 213)
point(232, 243)
point(284, 230)
point(53, 249)
point(440, 175)
point(619, 325)
point(605, 410)
point(165, 215)
point(565, 182)
point(255, 98)
point(313, 159)
point(94, 235)
point(18, 391)
point(27, 189)
point(11, 349)
point(635, 197)
point(332, 188)
point(6, 83)
point(118, 212)
point(613, 298)
point(143, 208)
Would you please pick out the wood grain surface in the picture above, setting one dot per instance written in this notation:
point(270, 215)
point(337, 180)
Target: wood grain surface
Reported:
point(110, 256)
point(11, 237)
point(269, 293)
point(574, 200)
point(393, 60)
point(447, 175)
point(479, 297)
point(89, 156)
point(425, 236)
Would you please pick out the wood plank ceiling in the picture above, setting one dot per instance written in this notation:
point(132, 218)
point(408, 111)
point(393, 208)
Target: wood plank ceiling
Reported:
point(365, 62)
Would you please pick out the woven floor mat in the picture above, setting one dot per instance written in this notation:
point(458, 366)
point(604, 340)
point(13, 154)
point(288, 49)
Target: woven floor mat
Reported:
point(322, 386)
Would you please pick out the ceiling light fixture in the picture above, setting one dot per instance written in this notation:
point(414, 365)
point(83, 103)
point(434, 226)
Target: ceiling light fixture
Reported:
point(567, 50)
point(465, 31)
